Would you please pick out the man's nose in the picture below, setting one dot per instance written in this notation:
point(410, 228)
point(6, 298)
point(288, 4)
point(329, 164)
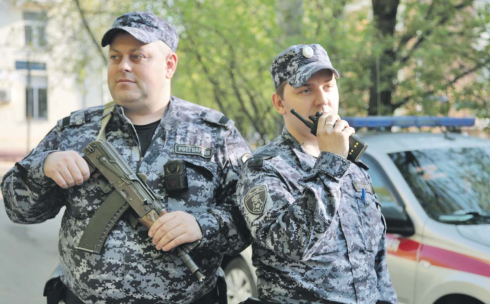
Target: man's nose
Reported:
point(125, 65)
point(322, 98)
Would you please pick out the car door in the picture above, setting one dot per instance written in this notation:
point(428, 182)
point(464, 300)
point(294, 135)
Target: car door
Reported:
point(402, 251)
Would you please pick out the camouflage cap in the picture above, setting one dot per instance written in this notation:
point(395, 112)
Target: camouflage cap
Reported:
point(298, 63)
point(145, 27)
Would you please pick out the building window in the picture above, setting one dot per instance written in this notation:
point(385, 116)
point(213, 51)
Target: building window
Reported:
point(35, 29)
point(37, 98)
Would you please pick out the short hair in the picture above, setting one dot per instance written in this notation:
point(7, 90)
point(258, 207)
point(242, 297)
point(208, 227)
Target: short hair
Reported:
point(280, 89)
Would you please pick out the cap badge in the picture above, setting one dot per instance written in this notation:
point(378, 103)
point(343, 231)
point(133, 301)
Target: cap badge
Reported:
point(308, 52)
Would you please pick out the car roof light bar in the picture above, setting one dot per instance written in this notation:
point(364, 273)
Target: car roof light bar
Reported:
point(408, 121)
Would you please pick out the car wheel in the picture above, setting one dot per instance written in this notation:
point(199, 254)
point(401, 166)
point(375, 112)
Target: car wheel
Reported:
point(239, 280)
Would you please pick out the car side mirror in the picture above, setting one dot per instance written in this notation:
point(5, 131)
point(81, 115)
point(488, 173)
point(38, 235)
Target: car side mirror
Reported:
point(397, 220)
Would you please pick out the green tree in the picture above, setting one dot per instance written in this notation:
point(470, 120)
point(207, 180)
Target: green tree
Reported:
point(417, 56)
point(439, 46)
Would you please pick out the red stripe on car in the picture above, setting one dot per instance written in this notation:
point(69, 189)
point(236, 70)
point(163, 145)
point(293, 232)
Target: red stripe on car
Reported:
point(453, 260)
point(407, 249)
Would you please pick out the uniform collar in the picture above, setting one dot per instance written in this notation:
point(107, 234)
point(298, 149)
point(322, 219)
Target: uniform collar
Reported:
point(306, 161)
point(168, 118)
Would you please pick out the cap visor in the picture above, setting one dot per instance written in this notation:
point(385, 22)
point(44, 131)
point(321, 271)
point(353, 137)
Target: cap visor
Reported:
point(305, 72)
point(139, 34)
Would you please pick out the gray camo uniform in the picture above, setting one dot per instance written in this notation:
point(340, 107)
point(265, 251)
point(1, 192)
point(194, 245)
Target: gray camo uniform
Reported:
point(129, 268)
point(314, 238)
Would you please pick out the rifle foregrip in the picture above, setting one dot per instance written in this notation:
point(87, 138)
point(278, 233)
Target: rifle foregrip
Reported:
point(148, 221)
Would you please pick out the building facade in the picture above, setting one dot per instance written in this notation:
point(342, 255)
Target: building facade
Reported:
point(35, 91)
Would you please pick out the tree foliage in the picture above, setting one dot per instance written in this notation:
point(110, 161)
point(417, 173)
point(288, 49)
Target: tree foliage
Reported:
point(414, 56)
point(441, 49)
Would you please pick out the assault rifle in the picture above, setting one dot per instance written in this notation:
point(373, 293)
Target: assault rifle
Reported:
point(126, 189)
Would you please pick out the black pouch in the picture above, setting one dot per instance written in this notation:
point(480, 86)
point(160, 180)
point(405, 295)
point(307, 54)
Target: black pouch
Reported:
point(54, 289)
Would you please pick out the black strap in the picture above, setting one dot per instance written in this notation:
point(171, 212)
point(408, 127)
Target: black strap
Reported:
point(254, 301)
point(54, 290)
point(221, 288)
point(209, 298)
point(71, 298)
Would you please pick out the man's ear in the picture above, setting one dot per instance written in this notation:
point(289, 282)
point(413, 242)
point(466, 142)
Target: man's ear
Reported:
point(278, 103)
point(171, 62)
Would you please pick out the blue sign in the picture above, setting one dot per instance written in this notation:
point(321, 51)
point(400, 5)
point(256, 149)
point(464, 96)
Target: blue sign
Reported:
point(25, 65)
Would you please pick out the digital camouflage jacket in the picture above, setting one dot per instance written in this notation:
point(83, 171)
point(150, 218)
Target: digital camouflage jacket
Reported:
point(315, 239)
point(129, 268)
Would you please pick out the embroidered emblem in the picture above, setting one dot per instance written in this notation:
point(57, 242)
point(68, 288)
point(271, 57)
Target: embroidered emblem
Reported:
point(255, 199)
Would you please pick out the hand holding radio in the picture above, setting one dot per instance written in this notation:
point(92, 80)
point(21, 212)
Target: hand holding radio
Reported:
point(356, 145)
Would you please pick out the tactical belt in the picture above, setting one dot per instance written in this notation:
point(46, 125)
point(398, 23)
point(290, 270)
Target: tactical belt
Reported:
point(209, 298)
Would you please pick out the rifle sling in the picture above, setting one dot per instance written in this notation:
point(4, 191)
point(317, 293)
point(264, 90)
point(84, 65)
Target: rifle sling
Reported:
point(106, 116)
point(102, 222)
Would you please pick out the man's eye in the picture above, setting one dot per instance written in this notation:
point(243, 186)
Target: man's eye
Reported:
point(137, 57)
point(113, 57)
point(305, 91)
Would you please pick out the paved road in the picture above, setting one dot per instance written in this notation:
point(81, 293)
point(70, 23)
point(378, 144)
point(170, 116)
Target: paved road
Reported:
point(28, 255)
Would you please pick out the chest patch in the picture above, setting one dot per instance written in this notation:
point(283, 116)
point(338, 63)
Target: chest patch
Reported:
point(255, 199)
point(193, 150)
point(359, 186)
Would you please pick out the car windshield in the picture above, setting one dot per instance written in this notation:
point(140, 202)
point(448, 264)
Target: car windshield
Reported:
point(452, 185)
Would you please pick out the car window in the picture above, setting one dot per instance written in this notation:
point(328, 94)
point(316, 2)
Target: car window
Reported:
point(380, 184)
point(452, 185)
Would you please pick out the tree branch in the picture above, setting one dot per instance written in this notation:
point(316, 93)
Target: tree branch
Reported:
point(448, 84)
point(410, 35)
point(429, 31)
point(89, 31)
point(256, 123)
point(216, 89)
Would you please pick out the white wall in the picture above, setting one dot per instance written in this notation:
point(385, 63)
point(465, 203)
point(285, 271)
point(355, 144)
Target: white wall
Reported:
point(65, 94)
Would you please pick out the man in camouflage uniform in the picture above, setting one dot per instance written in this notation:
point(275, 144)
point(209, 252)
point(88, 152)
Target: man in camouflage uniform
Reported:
point(316, 237)
point(148, 128)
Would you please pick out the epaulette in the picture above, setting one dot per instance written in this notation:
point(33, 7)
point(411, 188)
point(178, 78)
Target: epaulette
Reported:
point(217, 118)
point(257, 161)
point(76, 118)
point(361, 164)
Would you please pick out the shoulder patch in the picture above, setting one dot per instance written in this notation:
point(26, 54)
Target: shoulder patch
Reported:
point(255, 199)
point(216, 118)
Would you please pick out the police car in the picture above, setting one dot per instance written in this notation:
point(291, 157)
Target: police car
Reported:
point(435, 195)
